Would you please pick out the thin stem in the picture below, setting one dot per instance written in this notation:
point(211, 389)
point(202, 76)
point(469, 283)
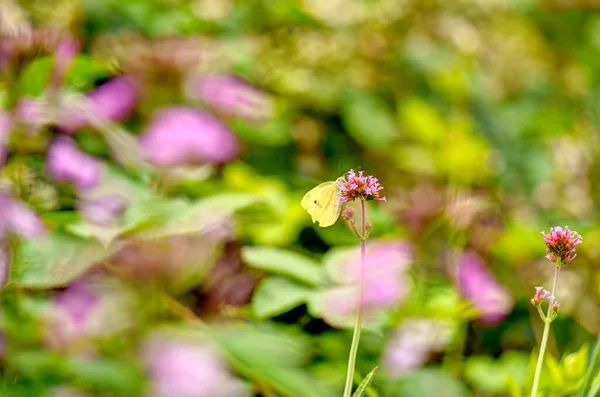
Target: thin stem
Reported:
point(589, 374)
point(357, 326)
point(540, 362)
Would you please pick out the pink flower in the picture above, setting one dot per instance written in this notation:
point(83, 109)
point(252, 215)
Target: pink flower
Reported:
point(103, 210)
point(353, 186)
point(384, 283)
point(16, 217)
point(230, 95)
point(540, 295)
point(560, 244)
point(181, 136)
point(65, 52)
point(412, 343)
point(113, 100)
point(187, 367)
point(477, 284)
point(66, 163)
point(92, 306)
point(32, 114)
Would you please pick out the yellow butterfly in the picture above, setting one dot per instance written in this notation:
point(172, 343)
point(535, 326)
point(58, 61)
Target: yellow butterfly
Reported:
point(323, 203)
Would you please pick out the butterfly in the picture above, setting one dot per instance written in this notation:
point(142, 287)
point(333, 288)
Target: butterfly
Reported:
point(323, 203)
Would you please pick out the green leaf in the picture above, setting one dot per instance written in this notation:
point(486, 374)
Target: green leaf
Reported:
point(35, 76)
point(364, 385)
point(427, 382)
point(271, 358)
point(153, 217)
point(591, 369)
point(286, 263)
point(273, 133)
point(573, 365)
point(107, 375)
point(36, 364)
point(277, 295)
point(422, 122)
point(496, 376)
point(369, 120)
point(178, 217)
point(264, 343)
point(55, 260)
point(84, 71)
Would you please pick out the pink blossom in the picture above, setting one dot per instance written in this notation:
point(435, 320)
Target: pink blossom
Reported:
point(384, 283)
point(113, 100)
point(16, 217)
point(357, 186)
point(31, 113)
point(230, 95)
point(92, 306)
point(478, 285)
point(187, 367)
point(65, 52)
point(102, 210)
point(540, 295)
point(66, 163)
point(560, 244)
point(180, 136)
point(412, 343)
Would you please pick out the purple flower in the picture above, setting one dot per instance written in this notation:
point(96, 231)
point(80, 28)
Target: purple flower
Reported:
point(16, 217)
point(76, 303)
point(540, 295)
point(477, 284)
point(230, 95)
point(353, 186)
point(65, 52)
point(560, 244)
point(412, 343)
point(187, 368)
point(181, 136)
point(113, 100)
point(383, 281)
point(103, 210)
point(66, 163)
point(31, 113)
point(5, 129)
point(92, 306)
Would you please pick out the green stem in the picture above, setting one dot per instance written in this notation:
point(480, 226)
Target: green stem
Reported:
point(540, 362)
point(357, 326)
point(589, 374)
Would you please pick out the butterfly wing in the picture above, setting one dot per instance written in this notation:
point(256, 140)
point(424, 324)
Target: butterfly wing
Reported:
point(331, 210)
point(323, 203)
point(311, 200)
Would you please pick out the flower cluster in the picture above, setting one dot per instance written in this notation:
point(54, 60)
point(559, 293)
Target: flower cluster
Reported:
point(560, 244)
point(358, 186)
point(477, 284)
point(384, 281)
point(540, 296)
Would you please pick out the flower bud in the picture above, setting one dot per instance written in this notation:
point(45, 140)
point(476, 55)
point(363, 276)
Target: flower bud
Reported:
point(348, 214)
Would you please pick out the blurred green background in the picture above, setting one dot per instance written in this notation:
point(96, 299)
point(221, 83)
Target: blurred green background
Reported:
point(164, 251)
